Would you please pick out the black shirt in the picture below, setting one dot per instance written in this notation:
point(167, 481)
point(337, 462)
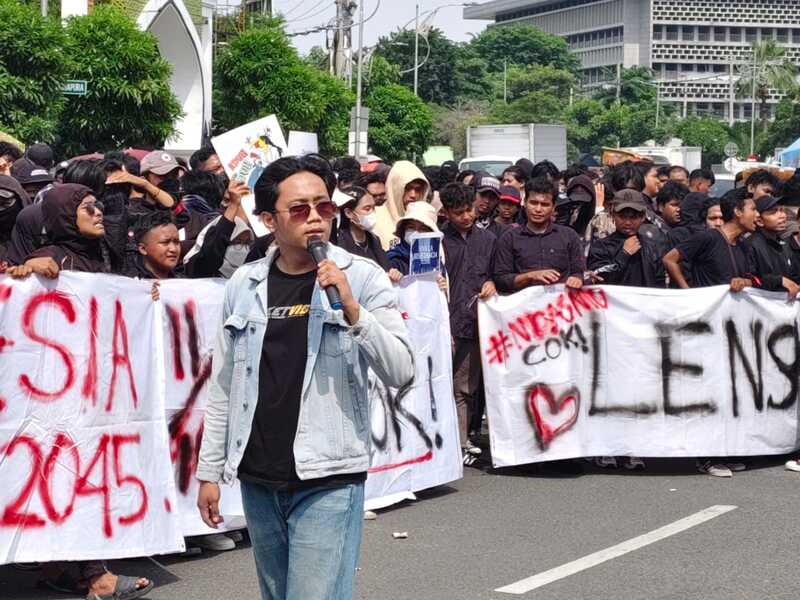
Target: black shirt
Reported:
point(714, 261)
point(269, 455)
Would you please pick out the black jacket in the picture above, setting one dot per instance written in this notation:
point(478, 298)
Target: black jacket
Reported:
point(773, 259)
point(618, 266)
point(373, 250)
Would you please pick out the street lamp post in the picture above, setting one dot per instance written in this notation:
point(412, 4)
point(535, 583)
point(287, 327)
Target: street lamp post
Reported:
point(416, 50)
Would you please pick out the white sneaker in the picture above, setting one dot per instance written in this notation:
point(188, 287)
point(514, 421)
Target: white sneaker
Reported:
point(793, 465)
point(715, 470)
point(218, 542)
point(469, 459)
point(606, 462)
point(370, 515)
point(472, 448)
point(634, 462)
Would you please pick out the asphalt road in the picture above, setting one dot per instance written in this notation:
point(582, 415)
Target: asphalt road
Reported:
point(494, 528)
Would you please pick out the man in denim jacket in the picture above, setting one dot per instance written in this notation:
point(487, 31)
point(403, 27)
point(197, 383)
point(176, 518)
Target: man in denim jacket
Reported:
point(287, 411)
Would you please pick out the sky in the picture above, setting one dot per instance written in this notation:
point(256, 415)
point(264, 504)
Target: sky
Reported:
point(302, 15)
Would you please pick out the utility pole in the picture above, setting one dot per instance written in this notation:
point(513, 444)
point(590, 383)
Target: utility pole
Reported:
point(43, 6)
point(416, 51)
point(358, 76)
point(619, 82)
point(342, 39)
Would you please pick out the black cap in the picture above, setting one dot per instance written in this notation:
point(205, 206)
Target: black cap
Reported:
point(765, 203)
point(26, 172)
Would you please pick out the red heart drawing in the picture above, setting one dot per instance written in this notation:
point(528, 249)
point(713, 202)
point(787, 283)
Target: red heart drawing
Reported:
point(545, 431)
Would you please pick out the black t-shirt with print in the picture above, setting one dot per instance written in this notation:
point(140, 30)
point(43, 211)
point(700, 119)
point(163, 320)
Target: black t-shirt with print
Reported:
point(269, 456)
point(714, 261)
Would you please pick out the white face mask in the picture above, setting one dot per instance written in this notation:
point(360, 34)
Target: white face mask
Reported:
point(367, 222)
point(407, 236)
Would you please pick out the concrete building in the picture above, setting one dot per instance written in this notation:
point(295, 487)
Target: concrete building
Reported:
point(184, 31)
point(694, 47)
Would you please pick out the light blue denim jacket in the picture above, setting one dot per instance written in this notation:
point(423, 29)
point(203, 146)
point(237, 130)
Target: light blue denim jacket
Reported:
point(333, 430)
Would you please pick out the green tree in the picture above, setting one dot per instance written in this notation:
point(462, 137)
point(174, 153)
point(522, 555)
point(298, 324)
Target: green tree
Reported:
point(129, 101)
point(522, 80)
point(260, 73)
point(769, 67)
point(450, 124)
point(32, 69)
point(707, 132)
point(446, 70)
point(637, 86)
point(785, 128)
point(400, 124)
point(317, 58)
point(523, 45)
point(379, 72)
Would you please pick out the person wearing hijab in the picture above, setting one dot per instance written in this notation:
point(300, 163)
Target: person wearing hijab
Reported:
point(12, 199)
point(74, 221)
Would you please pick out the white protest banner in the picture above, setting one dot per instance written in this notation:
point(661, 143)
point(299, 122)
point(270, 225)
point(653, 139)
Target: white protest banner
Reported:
point(414, 430)
point(84, 455)
point(191, 317)
point(615, 371)
point(101, 405)
point(248, 149)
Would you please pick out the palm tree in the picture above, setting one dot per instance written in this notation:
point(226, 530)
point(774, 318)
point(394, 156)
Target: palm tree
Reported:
point(767, 69)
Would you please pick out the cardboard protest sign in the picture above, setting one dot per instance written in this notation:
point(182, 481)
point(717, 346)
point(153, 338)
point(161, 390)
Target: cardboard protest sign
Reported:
point(425, 253)
point(247, 150)
point(616, 371)
point(84, 455)
point(302, 143)
point(415, 441)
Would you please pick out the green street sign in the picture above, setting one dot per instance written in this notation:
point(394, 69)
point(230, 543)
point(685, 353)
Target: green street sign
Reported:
point(74, 87)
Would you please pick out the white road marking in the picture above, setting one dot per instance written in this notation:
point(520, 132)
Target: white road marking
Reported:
point(587, 562)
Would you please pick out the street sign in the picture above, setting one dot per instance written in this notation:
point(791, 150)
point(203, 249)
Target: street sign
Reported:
point(74, 87)
point(731, 149)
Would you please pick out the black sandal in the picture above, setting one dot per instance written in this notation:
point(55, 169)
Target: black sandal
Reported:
point(125, 589)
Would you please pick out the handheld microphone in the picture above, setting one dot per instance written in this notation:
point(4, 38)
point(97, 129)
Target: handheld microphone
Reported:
point(319, 252)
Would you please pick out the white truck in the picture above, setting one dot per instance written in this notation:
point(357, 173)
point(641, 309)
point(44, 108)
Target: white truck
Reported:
point(492, 148)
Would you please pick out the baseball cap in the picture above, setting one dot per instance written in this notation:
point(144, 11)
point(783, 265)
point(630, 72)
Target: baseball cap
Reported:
point(41, 155)
point(765, 203)
point(629, 199)
point(26, 172)
point(159, 163)
point(487, 183)
point(510, 194)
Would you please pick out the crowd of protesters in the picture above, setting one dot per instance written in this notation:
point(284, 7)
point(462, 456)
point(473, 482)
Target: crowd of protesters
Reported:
point(636, 224)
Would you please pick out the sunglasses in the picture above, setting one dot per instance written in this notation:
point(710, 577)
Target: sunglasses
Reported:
point(92, 207)
point(300, 212)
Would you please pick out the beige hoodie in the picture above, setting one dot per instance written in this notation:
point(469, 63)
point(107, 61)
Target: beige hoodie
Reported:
point(403, 172)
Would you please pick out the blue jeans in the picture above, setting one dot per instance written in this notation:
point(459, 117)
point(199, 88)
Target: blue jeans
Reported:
point(305, 543)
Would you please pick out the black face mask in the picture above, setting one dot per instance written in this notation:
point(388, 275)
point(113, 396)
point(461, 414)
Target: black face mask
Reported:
point(172, 186)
